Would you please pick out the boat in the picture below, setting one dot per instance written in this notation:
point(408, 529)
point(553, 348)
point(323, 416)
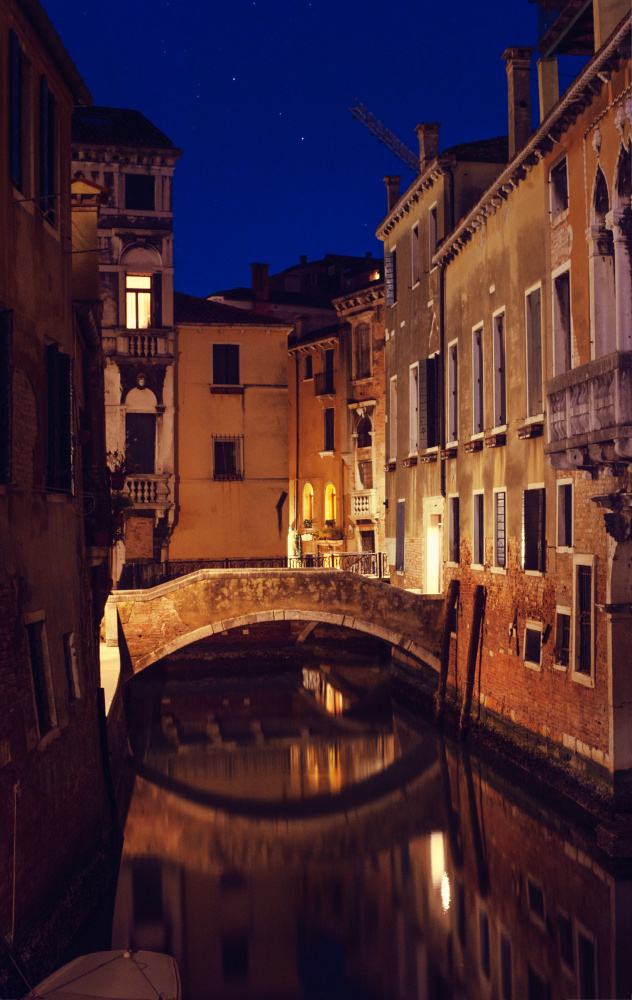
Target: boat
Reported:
point(105, 975)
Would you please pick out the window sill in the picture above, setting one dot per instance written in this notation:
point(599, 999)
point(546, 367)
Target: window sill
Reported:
point(530, 430)
point(498, 570)
point(497, 439)
point(533, 572)
point(410, 461)
point(533, 666)
point(227, 390)
point(227, 477)
point(560, 668)
point(326, 454)
point(452, 565)
point(477, 437)
point(477, 567)
point(586, 680)
point(557, 220)
point(537, 418)
point(362, 380)
point(568, 549)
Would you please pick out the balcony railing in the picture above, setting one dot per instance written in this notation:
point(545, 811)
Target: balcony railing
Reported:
point(324, 384)
point(363, 504)
point(149, 490)
point(138, 343)
point(589, 413)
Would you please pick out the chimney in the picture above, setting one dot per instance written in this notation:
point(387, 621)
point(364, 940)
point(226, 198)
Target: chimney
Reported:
point(392, 191)
point(518, 63)
point(548, 86)
point(259, 285)
point(428, 133)
point(606, 16)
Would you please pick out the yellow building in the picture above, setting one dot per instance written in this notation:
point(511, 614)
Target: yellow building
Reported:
point(231, 433)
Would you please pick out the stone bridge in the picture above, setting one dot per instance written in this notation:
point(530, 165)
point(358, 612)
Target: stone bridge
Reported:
point(154, 623)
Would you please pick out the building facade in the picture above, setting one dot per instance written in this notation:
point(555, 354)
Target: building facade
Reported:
point(232, 438)
point(134, 162)
point(54, 509)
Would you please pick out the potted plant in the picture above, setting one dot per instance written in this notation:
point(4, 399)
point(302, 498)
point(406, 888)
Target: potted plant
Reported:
point(330, 532)
point(121, 504)
point(117, 465)
point(307, 523)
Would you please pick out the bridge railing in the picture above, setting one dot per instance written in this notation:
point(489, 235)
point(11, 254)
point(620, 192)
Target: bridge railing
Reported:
point(143, 576)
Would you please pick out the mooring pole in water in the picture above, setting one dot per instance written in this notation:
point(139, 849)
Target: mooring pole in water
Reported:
point(450, 604)
point(477, 617)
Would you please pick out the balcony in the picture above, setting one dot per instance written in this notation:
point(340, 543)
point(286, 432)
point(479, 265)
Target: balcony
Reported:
point(324, 384)
point(589, 413)
point(363, 504)
point(145, 344)
point(149, 490)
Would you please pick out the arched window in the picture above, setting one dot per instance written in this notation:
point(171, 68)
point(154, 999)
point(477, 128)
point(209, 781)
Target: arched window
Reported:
point(364, 433)
point(308, 502)
point(330, 502)
point(601, 272)
point(622, 234)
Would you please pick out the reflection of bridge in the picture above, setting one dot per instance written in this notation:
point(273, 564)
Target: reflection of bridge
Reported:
point(154, 623)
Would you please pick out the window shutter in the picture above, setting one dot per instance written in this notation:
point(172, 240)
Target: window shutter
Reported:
point(424, 434)
point(532, 645)
point(500, 529)
point(534, 354)
point(232, 364)
point(390, 277)
point(6, 395)
point(500, 388)
point(432, 368)
point(141, 441)
point(399, 535)
point(156, 283)
point(533, 529)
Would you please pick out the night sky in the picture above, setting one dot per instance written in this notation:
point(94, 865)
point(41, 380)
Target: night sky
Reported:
point(256, 93)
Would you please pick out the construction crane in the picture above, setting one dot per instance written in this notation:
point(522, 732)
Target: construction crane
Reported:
point(386, 136)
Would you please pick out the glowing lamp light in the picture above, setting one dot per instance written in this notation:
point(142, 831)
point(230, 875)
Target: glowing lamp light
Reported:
point(437, 859)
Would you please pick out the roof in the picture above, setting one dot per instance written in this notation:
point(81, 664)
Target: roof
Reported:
point(278, 298)
point(494, 150)
point(116, 126)
point(46, 31)
point(324, 333)
point(203, 312)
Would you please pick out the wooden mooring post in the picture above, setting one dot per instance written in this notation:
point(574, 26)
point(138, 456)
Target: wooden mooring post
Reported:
point(477, 618)
point(450, 604)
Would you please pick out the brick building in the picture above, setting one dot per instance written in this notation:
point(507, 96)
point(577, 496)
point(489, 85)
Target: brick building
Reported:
point(54, 504)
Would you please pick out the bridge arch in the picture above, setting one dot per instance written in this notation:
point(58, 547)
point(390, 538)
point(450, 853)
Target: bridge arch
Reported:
point(155, 623)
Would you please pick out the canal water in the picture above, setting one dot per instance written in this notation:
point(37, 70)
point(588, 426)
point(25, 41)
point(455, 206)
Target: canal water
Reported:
point(291, 832)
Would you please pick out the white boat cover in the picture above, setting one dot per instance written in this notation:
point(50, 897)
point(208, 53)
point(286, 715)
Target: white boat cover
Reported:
point(114, 975)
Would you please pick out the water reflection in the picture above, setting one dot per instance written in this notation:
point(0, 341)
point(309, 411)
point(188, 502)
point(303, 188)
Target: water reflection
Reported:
point(442, 881)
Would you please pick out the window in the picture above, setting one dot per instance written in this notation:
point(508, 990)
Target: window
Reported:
point(453, 393)
point(330, 502)
point(226, 364)
point(477, 380)
point(536, 900)
point(362, 351)
point(140, 442)
point(392, 430)
point(537, 988)
point(390, 277)
point(400, 526)
point(565, 514)
point(584, 602)
point(15, 106)
point(59, 379)
point(140, 192)
point(478, 551)
point(324, 381)
point(534, 353)
point(364, 438)
point(586, 966)
point(41, 672)
point(559, 189)
point(307, 370)
point(414, 254)
point(565, 932)
point(48, 149)
point(329, 429)
point(500, 374)
point(562, 322)
point(308, 503)
point(72, 670)
point(138, 301)
point(533, 529)
point(500, 528)
point(561, 653)
point(454, 537)
point(432, 234)
point(506, 979)
point(365, 472)
point(413, 410)
point(533, 651)
point(429, 402)
point(228, 457)
point(6, 395)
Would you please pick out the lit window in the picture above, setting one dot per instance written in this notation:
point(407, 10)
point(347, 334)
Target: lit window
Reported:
point(138, 301)
point(330, 502)
point(308, 503)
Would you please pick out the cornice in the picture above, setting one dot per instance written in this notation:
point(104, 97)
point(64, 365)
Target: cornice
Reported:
point(125, 155)
point(441, 165)
point(365, 298)
point(561, 117)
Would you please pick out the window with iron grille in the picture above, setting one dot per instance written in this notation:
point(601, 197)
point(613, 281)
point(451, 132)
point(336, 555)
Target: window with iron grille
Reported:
point(533, 644)
point(455, 537)
point(226, 364)
point(228, 463)
point(500, 528)
point(390, 277)
point(584, 618)
point(478, 552)
point(562, 639)
point(533, 529)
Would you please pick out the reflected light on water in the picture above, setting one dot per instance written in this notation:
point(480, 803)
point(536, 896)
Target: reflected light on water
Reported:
point(325, 693)
point(445, 892)
point(437, 859)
